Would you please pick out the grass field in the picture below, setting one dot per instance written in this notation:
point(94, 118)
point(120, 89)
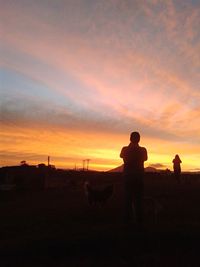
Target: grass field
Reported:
point(57, 227)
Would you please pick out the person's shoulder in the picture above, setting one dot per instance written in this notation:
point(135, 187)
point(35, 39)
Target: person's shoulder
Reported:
point(143, 148)
point(124, 149)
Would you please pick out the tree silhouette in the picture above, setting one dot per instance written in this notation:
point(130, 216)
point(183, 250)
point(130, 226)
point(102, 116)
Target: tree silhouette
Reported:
point(23, 163)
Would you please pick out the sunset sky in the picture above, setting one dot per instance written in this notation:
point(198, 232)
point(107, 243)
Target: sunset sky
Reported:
point(77, 76)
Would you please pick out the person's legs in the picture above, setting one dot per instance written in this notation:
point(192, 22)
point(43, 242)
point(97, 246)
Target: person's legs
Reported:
point(138, 201)
point(177, 177)
point(128, 199)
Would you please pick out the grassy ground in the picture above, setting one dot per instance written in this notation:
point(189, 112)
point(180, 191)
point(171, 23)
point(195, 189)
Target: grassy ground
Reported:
point(57, 227)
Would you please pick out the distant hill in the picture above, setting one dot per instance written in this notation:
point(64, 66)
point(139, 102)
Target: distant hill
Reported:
point(120, 169)
point(151, 169)
point(117, 169)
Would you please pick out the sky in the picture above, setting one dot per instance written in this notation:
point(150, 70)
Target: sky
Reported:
point(78, 76)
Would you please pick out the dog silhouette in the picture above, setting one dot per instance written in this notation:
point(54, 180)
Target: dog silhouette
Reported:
point(98, 196)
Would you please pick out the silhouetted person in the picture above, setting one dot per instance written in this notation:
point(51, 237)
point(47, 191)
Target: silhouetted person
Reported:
point(177, 168)
point(134, 156)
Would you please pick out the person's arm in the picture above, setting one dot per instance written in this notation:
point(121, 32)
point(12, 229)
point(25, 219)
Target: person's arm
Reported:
point(122, 154)
point(145, 154)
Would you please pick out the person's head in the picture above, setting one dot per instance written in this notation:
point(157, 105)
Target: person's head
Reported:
point(135, 137)
point(176, 156)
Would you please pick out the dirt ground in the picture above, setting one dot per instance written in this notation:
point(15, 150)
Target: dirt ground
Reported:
point(57, 227)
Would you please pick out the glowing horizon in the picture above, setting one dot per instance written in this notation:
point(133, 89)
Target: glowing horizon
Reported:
point(78, 76)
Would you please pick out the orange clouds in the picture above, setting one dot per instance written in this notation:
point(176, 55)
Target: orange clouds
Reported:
point(68, 148)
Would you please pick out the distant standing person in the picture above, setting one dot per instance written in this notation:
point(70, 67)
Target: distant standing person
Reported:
point(134, 156)
point(177, 168)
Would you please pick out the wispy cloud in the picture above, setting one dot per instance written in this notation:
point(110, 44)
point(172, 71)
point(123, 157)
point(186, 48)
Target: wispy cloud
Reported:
point(104, 66)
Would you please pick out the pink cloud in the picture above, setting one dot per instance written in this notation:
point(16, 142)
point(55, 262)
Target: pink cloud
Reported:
point(127, 75)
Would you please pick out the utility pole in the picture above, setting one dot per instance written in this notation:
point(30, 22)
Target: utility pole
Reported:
point(48, 161)
point(86, 164)
point(83, 164)
point(88, 161)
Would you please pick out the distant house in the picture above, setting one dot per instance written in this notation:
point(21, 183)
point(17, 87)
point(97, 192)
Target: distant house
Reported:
point(23, 177)
point(44, 166)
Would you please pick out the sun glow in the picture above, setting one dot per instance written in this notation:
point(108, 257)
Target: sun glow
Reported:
point(68, 148)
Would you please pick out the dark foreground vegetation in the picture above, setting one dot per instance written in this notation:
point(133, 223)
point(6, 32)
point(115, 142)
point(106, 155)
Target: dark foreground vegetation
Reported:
point(55, 226)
